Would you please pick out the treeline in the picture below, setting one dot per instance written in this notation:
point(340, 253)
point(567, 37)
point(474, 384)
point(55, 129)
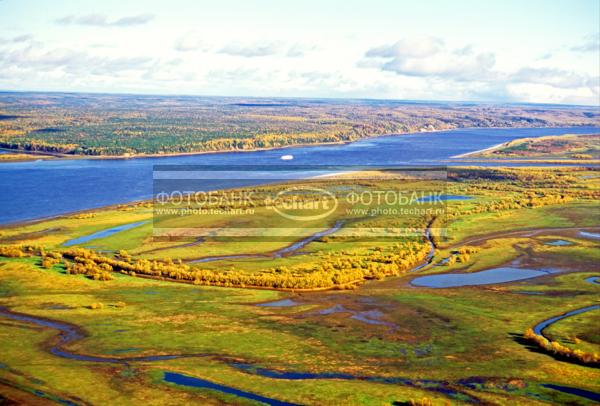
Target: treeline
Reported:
point(90, 268)
point(560, 350)
point(333, 270)
point(38, 146)
point(22, 144)
point(225, 143)
point(270, 141)
point(78, 266)
point(19, 251)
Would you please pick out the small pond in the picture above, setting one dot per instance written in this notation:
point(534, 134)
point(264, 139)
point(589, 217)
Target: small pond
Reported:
point(487, 277)
point(559, 243)
point(279, 303)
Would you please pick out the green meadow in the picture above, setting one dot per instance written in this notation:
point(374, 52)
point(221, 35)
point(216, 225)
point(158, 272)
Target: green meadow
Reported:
point(382, 342)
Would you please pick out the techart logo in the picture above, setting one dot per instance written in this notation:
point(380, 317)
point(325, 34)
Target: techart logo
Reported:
point(305, 203)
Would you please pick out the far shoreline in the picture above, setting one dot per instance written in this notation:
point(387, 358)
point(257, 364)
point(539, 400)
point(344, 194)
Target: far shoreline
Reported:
point(479, 151)
point(62, 156)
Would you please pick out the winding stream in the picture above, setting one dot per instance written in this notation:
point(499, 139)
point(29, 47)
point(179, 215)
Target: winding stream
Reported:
point(289, 250)
point(587, 234)
point(103, 233)
point(69, 333)
point(539, 328)
point(186, 380)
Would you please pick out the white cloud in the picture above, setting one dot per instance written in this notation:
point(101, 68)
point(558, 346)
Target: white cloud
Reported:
point(408, 48)
point(552, 77)
point(186, 62)
point(101, 20)
point(17, 39)
point(260, 49)
point(425, 57)
point(251, 50)
point(474, 68)
point(590, 43)
point(68, 61)
point(191, 41)
point(298, 50)
point(474, 74)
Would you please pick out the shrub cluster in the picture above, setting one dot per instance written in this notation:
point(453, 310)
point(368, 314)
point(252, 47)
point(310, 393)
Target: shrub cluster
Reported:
point(562, 351)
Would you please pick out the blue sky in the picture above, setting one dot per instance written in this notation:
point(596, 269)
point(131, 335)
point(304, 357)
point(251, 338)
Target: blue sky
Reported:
point(526, 51)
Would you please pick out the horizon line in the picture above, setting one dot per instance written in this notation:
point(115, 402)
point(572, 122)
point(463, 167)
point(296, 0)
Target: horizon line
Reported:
point(424, 101)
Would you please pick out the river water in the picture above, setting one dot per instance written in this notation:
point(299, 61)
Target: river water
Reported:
point(37, 189)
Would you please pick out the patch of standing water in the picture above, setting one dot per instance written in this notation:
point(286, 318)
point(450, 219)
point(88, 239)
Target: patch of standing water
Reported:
point(279, 303)
point(370, 317)
point(487, 277)
point(335, 309)
point(593, 279)
point(103, 233)
point(559, 243)
point(595, 236)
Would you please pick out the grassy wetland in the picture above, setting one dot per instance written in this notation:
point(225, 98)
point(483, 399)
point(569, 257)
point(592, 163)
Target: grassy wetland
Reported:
point(574, 148)
point(91, 316)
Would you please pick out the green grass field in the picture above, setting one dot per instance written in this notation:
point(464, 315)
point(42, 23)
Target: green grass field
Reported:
point(454, 345)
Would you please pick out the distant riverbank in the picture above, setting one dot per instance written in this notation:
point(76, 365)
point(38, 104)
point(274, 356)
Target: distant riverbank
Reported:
point(50, 154)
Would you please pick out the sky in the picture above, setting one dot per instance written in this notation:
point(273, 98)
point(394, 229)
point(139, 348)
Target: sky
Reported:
point(464, 50)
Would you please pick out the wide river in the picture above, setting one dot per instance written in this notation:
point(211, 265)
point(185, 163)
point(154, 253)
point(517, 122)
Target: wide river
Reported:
point(36, 189)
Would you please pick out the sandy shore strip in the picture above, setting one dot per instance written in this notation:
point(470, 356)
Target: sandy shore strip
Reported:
point(493, 147)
